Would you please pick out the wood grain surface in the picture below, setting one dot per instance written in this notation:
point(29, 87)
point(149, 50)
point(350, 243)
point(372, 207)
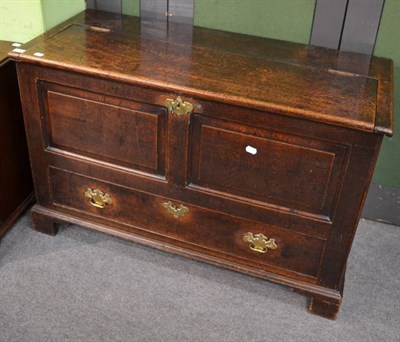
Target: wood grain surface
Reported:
point(313, 93)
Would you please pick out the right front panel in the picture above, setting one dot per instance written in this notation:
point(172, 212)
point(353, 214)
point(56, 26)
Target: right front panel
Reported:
point(266, 167)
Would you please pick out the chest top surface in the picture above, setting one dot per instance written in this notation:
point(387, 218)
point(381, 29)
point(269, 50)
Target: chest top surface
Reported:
point(293, 79)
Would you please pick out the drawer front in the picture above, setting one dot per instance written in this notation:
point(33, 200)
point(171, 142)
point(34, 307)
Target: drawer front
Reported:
point(106, 128)
point(214, 233)
point(272, 168)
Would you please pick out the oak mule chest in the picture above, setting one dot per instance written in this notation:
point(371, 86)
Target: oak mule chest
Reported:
point(247, 153)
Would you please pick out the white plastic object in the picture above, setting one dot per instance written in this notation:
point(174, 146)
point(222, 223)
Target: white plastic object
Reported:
point(17, 50)
point(250, 149)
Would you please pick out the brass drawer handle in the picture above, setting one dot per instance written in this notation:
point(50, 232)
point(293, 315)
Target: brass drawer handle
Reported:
point(98, 198)
point(259, 242)
point(176, 211)
point(178, 107)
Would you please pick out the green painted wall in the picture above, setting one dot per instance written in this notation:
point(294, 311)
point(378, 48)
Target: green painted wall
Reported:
point(20, 20)
point(131, 7)
point(56, 11)
point(387, 171)
point(280, 19)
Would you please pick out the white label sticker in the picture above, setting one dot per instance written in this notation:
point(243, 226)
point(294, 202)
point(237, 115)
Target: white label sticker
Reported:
point(250, 149)
point(38, 54)
point(16, 44)
point(19, 50)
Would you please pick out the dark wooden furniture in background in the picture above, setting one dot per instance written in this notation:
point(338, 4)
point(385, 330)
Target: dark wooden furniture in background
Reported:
point(244, 152)
point(16, 188)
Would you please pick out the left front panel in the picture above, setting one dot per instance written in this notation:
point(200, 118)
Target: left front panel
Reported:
point(104, 128)
point(97, 127)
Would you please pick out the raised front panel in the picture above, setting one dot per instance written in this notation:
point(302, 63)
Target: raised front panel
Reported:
point(109, 129)
point(204, 230)
point(272, 168)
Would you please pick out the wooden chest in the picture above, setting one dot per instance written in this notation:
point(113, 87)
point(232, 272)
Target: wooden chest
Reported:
point(247, 153)
point(16, 188)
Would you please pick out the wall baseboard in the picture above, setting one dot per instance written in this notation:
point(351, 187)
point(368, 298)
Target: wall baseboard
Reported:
point(383, 204)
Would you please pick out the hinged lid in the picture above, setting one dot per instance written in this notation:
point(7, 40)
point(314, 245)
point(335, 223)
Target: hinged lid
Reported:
point(290, 85)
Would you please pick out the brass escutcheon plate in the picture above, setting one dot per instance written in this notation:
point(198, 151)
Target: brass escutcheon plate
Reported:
point(97, 198)
point(176, 211)
point(178, 106)
point(259, 242)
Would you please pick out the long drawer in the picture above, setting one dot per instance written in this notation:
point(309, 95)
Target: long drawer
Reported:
point(225, 236)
